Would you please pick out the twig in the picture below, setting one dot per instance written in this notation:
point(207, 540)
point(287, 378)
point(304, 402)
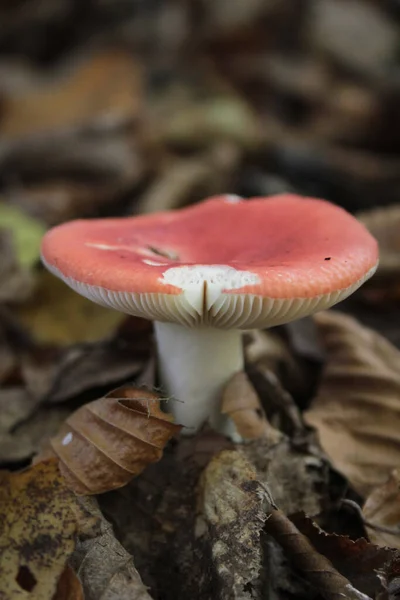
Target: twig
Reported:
point(381, 528)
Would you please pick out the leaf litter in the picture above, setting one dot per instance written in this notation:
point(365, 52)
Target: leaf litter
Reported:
point(120, 108)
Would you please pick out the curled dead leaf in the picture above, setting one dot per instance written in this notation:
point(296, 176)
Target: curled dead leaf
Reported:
point(382, 511)
point(38, 525)
point(357, 408)
point(240, 401)
point(105, 443)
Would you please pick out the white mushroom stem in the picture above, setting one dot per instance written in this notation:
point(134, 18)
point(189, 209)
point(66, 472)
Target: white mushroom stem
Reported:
point(195, 365)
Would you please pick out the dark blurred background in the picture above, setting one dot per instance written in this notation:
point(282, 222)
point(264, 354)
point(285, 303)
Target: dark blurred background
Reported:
point(118, 107)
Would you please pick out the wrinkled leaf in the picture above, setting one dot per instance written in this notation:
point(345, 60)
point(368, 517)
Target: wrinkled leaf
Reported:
point(104, 566)
point(106, 443)
point(38, 524)
point(27, 234)
point(241, 403)
point(382, 509)
point(356, 411)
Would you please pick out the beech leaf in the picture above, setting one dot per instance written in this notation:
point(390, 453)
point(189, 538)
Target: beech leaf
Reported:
point(241, 402)
point(104, 444)
point(356, 411)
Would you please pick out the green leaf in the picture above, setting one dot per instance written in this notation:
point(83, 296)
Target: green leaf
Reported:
point(27, 233)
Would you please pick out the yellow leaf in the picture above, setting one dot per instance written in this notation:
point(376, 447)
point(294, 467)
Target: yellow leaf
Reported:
point(56, 314)
point(38, 525)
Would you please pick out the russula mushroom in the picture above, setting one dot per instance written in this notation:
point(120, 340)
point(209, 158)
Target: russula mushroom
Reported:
point(207, 272)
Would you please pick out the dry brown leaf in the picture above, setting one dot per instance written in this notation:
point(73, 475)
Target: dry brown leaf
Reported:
point(241, 403)
point(69, 587)
point(231, 505)
point(361, 562)
point(317, 568)
point(382, 510)
point(357, 408)
point(104, 567)
point(106, 84)
point(384, 224)
point(38, 525)
point(105, 443)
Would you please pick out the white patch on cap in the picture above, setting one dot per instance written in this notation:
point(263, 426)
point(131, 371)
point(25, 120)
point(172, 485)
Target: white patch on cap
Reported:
point(203, 284)
point(67, 439)
point(233, 199)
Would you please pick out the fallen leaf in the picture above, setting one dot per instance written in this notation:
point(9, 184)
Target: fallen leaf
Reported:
point(356, 411)
point(241, 403)
point(384, 223)
point(358, 560)
point(69, 587)
point(38, 526)
point(382, 511)
point(26, 231)
point(231, 506)
point(29, 436)
point(277, 374)
point(16, 405)
point(155, 519)
point(341, 29)
point(106, 443)
point(104, 567)
point(190, 178)
point(296, 479)
point(105, 84)
point(322, 575)
point(16, 283)
point(205, 121)
point(56, 314)
point(104, 153)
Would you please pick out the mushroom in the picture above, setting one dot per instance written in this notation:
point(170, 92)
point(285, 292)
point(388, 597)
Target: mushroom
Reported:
point(206, 272)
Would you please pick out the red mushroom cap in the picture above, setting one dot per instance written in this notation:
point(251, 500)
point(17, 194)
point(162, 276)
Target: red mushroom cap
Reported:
point(223, 262)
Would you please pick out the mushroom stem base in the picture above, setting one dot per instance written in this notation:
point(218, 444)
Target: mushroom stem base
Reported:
point(195, 365)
